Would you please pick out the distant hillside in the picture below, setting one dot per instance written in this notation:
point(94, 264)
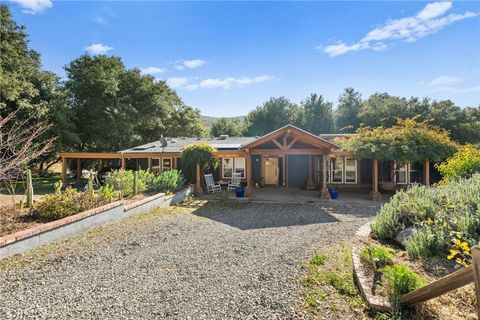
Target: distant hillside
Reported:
point(210, 120)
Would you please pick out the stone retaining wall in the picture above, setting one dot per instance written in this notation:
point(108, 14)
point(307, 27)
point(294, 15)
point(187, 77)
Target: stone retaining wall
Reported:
point(58, 230)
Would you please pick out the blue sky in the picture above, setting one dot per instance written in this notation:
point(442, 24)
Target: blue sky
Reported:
point(225, 58)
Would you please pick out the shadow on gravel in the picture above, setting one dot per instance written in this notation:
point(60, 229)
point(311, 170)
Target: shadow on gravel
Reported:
point(245, 216)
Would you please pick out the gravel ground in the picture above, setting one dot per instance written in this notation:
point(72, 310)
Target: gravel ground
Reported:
point(216, 261)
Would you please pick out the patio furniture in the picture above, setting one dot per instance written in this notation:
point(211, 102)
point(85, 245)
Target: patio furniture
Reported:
point(211, 185)
point(235, 182)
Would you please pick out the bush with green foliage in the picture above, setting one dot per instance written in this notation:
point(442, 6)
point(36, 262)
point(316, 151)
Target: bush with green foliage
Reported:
point(120, 183)
point(168, 181)
point(401, 280)
point(439, 215)
point(463, 164)
point(383, 254)
point(408, 140)
point(63, 204)
point(201, 153)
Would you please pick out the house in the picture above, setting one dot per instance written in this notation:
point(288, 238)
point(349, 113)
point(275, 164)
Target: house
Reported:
point(288, 157)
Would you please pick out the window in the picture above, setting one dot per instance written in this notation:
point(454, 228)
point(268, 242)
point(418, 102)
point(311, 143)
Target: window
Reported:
point(156, 165)
point(350, 170)
point(166, 164)
point(401, 170)
point(227, 168)
point(230, 165)
point(337, 170)
point(342, 170)
point(239, 165)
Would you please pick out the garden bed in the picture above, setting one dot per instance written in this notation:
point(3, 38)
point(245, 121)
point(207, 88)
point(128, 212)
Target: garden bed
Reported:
point(457, 304)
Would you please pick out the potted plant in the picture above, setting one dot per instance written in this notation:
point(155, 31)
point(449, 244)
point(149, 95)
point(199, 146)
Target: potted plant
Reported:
point(333, 190)
point(240, 191)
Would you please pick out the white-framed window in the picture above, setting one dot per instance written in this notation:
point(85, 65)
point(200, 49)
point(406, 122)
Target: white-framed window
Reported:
point(350, 170)
point(239, 166)
point(167, 164)
point(342, 170)
point(230, 165)
point(402, 173)
point(336, 170)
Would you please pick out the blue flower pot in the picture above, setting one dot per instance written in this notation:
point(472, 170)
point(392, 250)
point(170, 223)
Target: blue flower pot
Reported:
point(240, 191)
point(333, 193)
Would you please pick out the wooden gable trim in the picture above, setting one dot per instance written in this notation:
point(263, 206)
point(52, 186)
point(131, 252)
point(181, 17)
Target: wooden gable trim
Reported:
point(293, 131)
point(292, 143)
point(279, 145)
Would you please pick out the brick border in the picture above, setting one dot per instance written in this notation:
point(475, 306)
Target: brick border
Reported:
point(27, 239)
point(375, 302)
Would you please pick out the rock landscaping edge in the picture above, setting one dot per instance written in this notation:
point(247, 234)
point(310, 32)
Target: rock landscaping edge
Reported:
point(374, 302)
point(61, 229)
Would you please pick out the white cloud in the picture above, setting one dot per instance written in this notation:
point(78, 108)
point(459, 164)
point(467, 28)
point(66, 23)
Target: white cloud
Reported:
point(33, 6)
point(190, 64)
point(445, 84)
point(152, 70)
point(443, 81)
point(433, 10)
point(429, 20)
point(210, 83)
point(98, 48)
point(177, 82)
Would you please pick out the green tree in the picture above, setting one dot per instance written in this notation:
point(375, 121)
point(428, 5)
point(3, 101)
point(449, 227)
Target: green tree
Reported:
point(34, 95)
point(201, 153)
point(407, 141)
point(463, 164)
point(273, 114)
point(316, 115)
point(186, 122)
point(227, 126)
point(347, 117)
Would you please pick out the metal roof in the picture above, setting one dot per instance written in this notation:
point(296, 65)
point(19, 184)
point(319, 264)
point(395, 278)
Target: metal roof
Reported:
point(177, 144)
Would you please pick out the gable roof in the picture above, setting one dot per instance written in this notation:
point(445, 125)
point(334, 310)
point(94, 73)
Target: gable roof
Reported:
point(294, 131)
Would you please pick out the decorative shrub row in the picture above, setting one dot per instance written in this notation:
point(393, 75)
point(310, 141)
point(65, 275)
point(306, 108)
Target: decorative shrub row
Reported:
point(445, 218)
point(65, 203)
point(120, 183)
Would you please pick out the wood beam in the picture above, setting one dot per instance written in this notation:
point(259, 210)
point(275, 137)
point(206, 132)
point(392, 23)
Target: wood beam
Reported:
point(279, 145)
point(376, 196)
point(278, 152)
point(426, 176)
point(325, 194)
point(79, 170)
point(249, 191)
point(64, 171)
point(292, 143)
point(149, 164)
point(198, 183)
point(310, 184)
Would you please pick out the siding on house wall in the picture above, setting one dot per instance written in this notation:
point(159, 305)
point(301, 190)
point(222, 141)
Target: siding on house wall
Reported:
point(297, 171)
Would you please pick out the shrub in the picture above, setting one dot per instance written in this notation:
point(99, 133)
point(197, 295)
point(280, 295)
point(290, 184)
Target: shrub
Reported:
point(383, 254)
point(201, 153)
point(168, 181)
point(438, 214)
point(401, 280)
point(63, 204)
point(463, 164)
point(122, 181)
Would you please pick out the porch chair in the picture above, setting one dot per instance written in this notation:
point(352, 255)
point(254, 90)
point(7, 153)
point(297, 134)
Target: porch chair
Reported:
point(211, 185)
point(235, 182)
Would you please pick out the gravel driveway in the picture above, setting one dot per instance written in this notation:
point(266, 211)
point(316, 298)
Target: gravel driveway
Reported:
point(216, 261)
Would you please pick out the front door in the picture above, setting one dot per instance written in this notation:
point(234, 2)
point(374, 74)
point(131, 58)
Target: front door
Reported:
point(271, 171)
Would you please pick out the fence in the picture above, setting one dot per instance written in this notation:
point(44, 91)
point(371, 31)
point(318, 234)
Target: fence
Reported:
point(448, 283)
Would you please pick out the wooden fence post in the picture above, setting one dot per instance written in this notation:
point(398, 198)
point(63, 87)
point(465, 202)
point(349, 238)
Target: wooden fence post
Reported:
point(476, 274)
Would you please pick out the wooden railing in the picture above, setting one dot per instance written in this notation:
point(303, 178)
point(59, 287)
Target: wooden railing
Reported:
point(448, 283)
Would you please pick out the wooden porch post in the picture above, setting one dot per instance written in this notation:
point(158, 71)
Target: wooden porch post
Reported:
point(376, 196)
point(310, 184)
point(426, 176)
point(79, 170)
point(325, 193)
point(149, 164)
point(249, 191)
point(123, 163)
point(198, 181)
point(64, 171)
